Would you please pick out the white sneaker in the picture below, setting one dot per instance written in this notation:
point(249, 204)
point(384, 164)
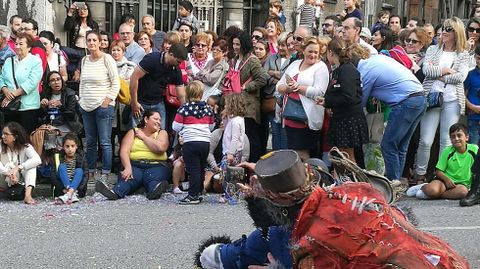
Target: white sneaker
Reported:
point(64, 198)
point(177, 190)
point(75, 198)
point(412, 191)
point(421, 195)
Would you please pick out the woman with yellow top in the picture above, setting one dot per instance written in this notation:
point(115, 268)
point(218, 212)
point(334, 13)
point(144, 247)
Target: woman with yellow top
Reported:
point(143, 155)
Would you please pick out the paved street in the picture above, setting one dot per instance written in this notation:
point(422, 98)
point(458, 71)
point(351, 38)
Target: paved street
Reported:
point(137, 233)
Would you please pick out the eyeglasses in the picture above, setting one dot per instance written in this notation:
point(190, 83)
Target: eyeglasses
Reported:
point(298, 38)
point(474, 30)
point(448, 29)
point(5, 134)
point(53, 80)
point(200, 45)
point(326, 25)
point(257, 37)
point(411, 41)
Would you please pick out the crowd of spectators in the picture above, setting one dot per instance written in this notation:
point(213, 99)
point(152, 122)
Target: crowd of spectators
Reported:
point(149, 102)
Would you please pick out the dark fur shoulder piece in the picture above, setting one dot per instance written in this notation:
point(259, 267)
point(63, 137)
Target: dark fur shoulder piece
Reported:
point(407, 211)
point(220, 239)
point(265, 214)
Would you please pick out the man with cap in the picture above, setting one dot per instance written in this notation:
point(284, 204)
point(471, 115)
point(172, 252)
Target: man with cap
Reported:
point(346, 226)
point(150, 78)
point(185, 9)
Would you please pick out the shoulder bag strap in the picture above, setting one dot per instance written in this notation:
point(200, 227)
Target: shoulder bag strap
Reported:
point(244, 63)
point(13, 71)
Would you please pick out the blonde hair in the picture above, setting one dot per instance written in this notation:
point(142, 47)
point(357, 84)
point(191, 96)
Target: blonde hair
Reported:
point(195, 91)
point(356, 52)
point(313, 40)
point(203, 37)
point(461, 43)
point(235, 105)
point(172, 37)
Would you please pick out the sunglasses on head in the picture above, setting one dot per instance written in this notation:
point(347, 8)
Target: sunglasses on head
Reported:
point(448, 29)
point(411, 41)
point(474, 30)
point(298, 38)
point(257, 37)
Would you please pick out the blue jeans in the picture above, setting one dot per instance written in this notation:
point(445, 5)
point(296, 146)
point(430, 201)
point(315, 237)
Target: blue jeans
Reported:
point(473, 131)
point(98, 124)
point(67, 183)
point(401, 124)
point(144, 174)
point(160, 107)
point(279, 136)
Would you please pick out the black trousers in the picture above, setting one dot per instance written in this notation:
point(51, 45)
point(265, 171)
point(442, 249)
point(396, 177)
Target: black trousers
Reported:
point(195, 155)
point(252, 130)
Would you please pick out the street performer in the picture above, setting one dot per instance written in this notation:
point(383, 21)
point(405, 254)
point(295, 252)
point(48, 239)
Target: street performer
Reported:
point(346, 226)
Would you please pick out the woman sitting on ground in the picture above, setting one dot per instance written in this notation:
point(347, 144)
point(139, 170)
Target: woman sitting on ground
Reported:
point(144, 159)
point(18, 163)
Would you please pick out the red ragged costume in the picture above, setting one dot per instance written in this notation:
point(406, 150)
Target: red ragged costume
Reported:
point(351, 226)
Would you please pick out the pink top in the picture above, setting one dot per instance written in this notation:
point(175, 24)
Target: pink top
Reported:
point(294, 123)
point(272, 48)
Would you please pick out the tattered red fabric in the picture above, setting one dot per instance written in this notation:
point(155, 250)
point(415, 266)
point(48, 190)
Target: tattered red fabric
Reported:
point(351, 226)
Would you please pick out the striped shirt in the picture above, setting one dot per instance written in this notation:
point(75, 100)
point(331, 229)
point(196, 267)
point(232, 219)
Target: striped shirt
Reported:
point(307, 15)
point(98, 80)
point(71, 167)
point(194, 122)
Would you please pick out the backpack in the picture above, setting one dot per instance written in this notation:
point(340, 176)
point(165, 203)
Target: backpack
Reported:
point(231, 82)
point(400, 55)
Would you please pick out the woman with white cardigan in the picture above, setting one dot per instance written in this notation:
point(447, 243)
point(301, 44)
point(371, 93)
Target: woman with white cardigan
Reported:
point(302, 82)
point(445, 67)
point(99, 87)
point(18, 163)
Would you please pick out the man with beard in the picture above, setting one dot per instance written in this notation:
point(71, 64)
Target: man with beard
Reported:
point(15, 25)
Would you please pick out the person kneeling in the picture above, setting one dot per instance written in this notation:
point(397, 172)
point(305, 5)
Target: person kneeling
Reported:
point(143, 156)
point(453, 174)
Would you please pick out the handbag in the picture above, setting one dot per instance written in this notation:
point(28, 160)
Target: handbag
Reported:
point(376, 125)
point(434, 99)
point(293, 110)
point(171, 96)
point(268, 104)
point(13, 105)
point(231, 82)
point(124, 93)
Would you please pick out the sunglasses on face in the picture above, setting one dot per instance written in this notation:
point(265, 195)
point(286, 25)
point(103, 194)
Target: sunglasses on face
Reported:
point(200, 45)
point(473, 30)
point(448, 29)
point(298, 38)
point(257, 37)
point(411, 41)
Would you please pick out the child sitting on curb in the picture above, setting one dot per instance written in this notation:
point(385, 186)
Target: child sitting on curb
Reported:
point(453, 170)
point(70, 175)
